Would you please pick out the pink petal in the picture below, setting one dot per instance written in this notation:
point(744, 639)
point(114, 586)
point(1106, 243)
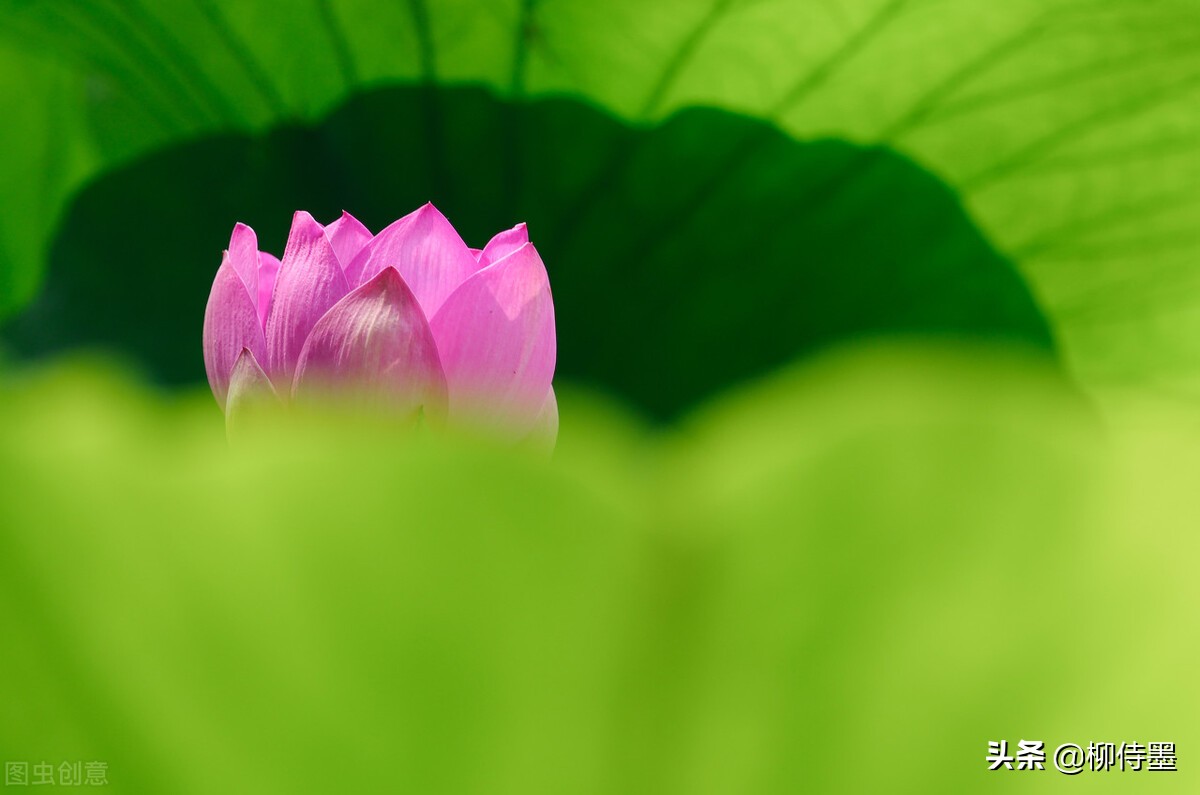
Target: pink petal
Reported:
point(243, 255)
point(268, 268)
point(376, 343)
point(495, 335)
point(423, 246)
point(475, 252)
point(503, 244)
point(348, 237)
point(248, 386)
point(309, 282)
point(230, 324)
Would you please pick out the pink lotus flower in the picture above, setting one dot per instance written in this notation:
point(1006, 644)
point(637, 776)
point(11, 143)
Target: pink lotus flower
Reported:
point(410, 318)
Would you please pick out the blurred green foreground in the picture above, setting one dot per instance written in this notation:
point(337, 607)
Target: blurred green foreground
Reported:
point(847, 579)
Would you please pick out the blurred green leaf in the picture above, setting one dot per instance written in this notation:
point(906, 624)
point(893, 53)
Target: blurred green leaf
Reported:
point(1070, 127)
point(672, 276)
point(847, 579)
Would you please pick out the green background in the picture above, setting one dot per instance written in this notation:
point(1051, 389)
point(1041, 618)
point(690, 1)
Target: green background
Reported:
point(878, 351)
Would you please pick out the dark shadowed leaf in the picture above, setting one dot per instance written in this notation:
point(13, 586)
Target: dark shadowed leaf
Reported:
point(682, 257)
